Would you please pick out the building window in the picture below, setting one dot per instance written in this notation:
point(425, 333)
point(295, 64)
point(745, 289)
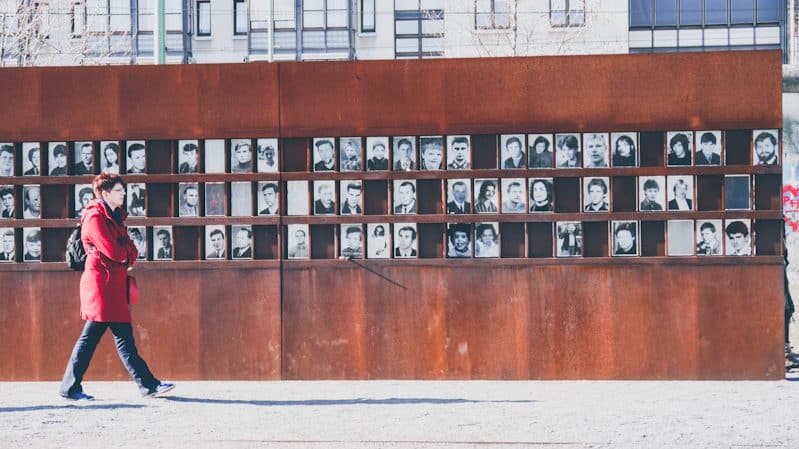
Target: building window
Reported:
point(240, 17)
point(491, 14)
point(699, 13)
point(78, 25)
point(368, 16)
point(418, 28)
point(108, 28)
point(203, 17)
point(567, 13)
point(325, 25)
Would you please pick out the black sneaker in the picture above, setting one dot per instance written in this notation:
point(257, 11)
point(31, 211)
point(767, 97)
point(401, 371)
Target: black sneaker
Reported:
point(159, 390)
point(79, 396)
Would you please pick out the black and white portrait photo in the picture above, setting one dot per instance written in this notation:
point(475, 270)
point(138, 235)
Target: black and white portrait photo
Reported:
point(241, 199)
point(512, 151)
point(298, 241)
point(8, 207)
point(268, 198)
point(377, 156)
point(137, 157)
point(404, 196)
point(189, 197)
point(625, 238)
point(595, 194)
point(708, 238)
point(32, 244)
point(458, 196)
point(214, 150)
point(215, 242)
point(737, 192)
point(459, 153)
point(267, 156)
point(324, 154)
point(766, 148)
point(137, 200)
point(324, 197)
point(162, 242)
point(570, 238)
point(31, 159)
point(486, 240)
point(540, 151)
point(404, 153)
point(7, 159)
point(350, 154)
point(405, 242)
point(83, 195)
point(680, 148)
point(431, 156)
point(486, 196)
point(215, 199)
point(378, 240)
point(681, 238)
point(8, 245)
point(541, 196)
point(567, 151)
point(83, 162)
point(651, 193)
point(514, 196)
point(240, 156)
point(596, 150)
point(58, 158)
point(188, 156)
point(351, 241)
point(351, 197)
point(709, 150)
point(624, 149)
point(738, 241)
point(242, 241)
point(32, 201)
point(297, 198)
point(109, 157)
point(680, 192)
point(459, 240)
point(138, 234)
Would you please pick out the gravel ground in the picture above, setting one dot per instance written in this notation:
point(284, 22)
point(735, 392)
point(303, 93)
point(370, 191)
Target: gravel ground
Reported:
point(405, 414)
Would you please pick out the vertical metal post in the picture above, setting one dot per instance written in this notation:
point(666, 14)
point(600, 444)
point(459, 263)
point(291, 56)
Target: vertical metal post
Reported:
point(270, 37)
point(159, 35)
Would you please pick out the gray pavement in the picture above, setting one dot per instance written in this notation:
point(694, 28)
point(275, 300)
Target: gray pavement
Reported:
point(405, 414)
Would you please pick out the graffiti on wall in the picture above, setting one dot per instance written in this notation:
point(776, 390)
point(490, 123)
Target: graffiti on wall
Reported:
point(790, 163)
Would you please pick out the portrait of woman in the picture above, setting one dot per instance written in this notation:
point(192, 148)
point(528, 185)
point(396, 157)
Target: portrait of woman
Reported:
point(680, 148)
point(541, 195)
point(624, 150)
point(486, 240)
point(109, 157)
point(486, 201)
point(568, 150)
point(378, 241)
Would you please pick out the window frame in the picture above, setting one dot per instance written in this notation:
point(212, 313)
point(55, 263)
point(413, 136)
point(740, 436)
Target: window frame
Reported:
point(199, 32)
point(363, 28)
point(492, 13)
point(236, 5)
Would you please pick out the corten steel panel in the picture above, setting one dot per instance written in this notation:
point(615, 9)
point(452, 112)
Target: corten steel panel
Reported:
point(723, 90)
point(536, 322)
point(205, 324)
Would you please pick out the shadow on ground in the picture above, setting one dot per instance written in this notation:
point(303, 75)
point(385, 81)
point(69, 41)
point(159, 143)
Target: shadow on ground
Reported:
point(360, 401)
point(88, 406)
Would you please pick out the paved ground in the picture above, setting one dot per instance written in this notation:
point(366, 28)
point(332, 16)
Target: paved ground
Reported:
point(400, 414)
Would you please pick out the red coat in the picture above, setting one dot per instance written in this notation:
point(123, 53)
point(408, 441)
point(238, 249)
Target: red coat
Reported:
point(103, 288)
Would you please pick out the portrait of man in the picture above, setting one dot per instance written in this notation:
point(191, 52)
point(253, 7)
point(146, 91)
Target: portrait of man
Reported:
point(513, 151)
point(459, 155)
point(33, 202)
point(137, 158)
point(58, 159)
point(109, 157)
point(514, 199)
point(7, 207)
point(267, 156)
point(241, 156)
point(8, 245)
point(709, 152)
point(6, 159)
point(350, 154)
point(188, 162)
point(298, 246)
point(540, 151)
point(215, 246)
point(297, 198)
point(189, 199)
point(404, 153)
point(33, 244)
point(680, 237)
point(139, 236)
point(625, 149)
point(405, 241)
point(323, 155)
point(351, 199)
point(377, 153)
point(596, 194)
point(83, 195)
point(596, 150)
point(32, 154)
point(404, 196)
point(432, 153)
point(459, 240)
point(378, 241)
point(352, 241)
point(680, 148)
point(766, 147)
point(568, 150)
point(242, 242)
point(737, 193)
point(215, 205)
point(541, 195)
point(625, 238)
point(458, 195)
point(486, 201)
point(84, 159)
point(270, 198)
point(738, 241)
point(680, 192)
point(137, 203)
point(651, 193)
point(163, 243)
point(486, 240)
point(214, 152)
point(707, 237)
point(325, 201)
point(570, 239)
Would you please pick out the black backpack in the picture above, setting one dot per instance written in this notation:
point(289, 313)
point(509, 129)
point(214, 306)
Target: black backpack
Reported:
point(76, 254)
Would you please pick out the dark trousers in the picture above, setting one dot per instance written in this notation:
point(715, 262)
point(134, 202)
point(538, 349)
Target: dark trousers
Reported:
point(126, 347)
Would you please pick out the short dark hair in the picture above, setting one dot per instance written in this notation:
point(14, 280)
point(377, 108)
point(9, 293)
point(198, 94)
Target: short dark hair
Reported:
point(601, 183)
point(402, 142)
point(319, 143)
point(7, 149)
point(161, 232)
point(190, 148)
point(707, 225)
point(540, 139)
point(353, 230)
point(134, 147)
point(247, 230)
point(708, 137)
point(737, 227)
point(60, 150)
point(460, 139)
point(31, 152)
point(514, 183)
point(215, 232)
point(458, 183)
point(6, 191)
point(379, 144)
point(481, 228)
point(547, 185)
point(569, 142)
point(651, 184)
point(241, 144)
point(408, 228)
point(353, 186)
point(191, 187)
point(84, 191)
point(135, 232)
point(513, 139)
point(766, 135)
point(679, 138)
point(459, 227)
point(408, 183)
point(300, 230)
point(624, 227)
point(270, 185)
